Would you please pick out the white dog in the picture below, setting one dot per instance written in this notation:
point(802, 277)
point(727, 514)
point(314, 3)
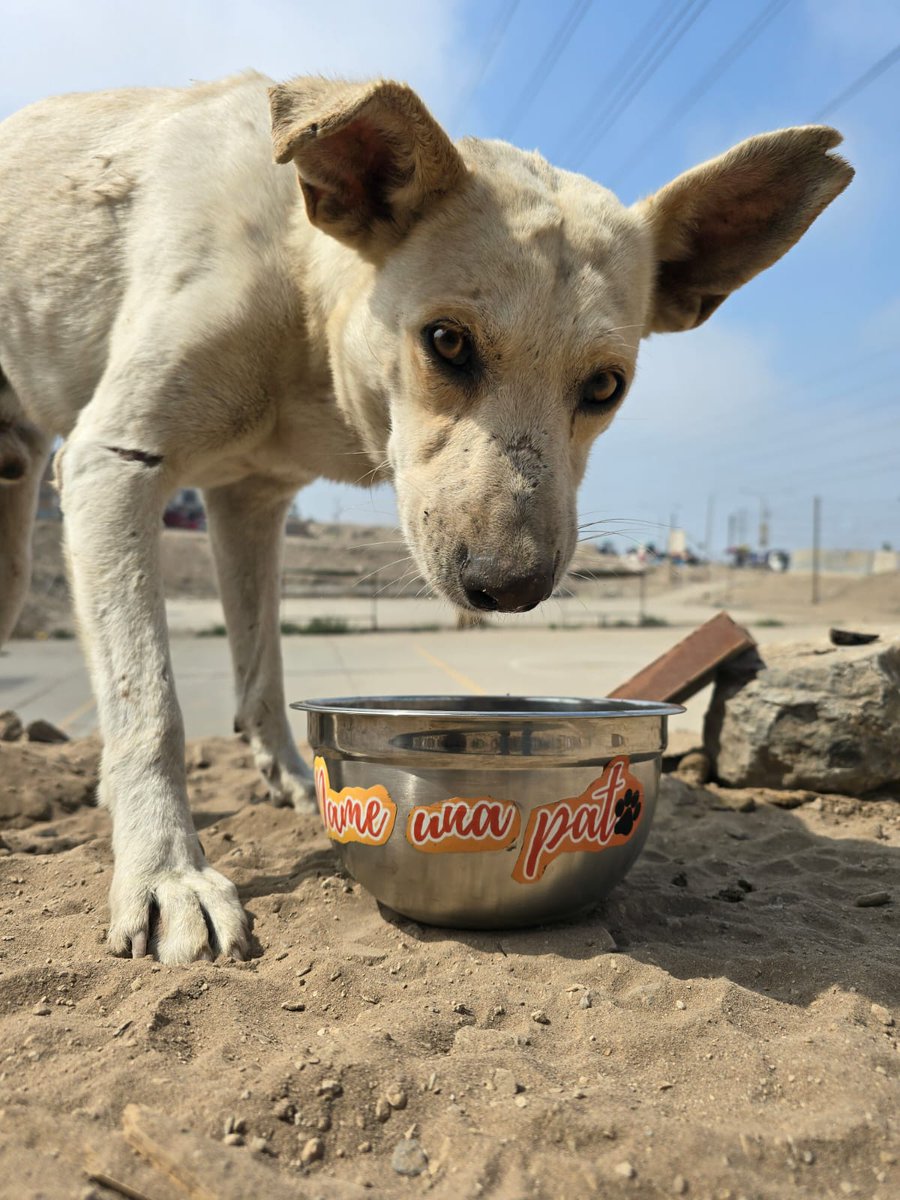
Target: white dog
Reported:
point(460, 318)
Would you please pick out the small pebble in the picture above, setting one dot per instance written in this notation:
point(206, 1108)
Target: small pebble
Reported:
point(330, 1088)
point(679, 1185)
point(872, 900)
point(42, 1009)
point(284, 1110)
point(625, 1169)
point(324, 1123)
point(680, 1004)
point(396, 1097)
point(540, 1017)
point(312, 1151)
point(881, 1014)
point(364, 1148)
point(409, 1158)
point(233, 1139)
point(293, 1006)
point(382, 1110)
point(259, 1144)
point(585, 1001)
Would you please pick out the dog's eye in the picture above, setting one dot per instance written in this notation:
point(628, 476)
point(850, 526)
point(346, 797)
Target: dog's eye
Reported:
point(602, 390)
point(449, 343)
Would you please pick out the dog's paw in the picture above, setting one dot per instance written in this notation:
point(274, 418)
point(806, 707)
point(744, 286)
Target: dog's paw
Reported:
point(291, 784)
point(296, 791)
point(177, 915)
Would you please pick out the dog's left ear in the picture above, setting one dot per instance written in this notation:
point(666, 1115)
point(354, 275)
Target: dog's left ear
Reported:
point(717, 226)
point(370, 157)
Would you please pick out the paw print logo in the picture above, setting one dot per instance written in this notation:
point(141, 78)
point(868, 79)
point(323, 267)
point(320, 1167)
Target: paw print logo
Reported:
point(628, 809)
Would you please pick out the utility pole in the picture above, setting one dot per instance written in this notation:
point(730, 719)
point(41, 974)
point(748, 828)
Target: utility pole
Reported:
point(764, 518)
point(707, 544)
point(710, 516)
point(816, 546)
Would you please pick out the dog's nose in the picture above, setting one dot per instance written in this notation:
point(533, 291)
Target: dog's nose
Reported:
point(489, 587)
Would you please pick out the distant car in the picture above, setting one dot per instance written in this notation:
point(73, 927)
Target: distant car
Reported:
point(185, 511)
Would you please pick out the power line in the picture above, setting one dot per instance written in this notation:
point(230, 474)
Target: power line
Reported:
point(536, 80)
point(741, 43)
point(608, 82)
point(643, 72)
point(496, 36)
point(867, 77)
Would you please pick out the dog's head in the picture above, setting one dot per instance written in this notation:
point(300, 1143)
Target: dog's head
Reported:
point(498, 319)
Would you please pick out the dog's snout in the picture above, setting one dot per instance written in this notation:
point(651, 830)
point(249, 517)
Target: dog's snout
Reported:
point(491, 587)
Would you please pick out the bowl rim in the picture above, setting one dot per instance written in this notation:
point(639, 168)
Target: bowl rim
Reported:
point(597, 709)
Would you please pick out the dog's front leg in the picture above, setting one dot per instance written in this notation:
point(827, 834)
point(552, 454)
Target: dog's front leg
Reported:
point(164, 897)
point(246, 525)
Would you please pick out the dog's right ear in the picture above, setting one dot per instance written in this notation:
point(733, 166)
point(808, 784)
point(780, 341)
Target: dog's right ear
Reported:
point(370, 157)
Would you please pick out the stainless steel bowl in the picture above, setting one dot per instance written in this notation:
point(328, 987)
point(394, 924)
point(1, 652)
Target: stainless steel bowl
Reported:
point(487, 811)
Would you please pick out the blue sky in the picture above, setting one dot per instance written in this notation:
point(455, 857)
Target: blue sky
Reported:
point(791, 389)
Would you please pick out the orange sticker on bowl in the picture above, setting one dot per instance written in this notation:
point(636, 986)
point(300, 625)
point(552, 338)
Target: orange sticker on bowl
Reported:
point(354, 814)
point(605, 814)
point(463, 825)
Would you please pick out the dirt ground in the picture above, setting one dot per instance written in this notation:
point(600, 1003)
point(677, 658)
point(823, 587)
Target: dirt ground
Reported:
point(725, 1026)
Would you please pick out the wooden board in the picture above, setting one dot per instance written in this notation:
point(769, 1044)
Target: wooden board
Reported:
point(690, 665)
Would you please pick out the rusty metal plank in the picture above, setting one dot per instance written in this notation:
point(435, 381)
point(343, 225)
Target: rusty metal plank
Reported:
point(690, 665)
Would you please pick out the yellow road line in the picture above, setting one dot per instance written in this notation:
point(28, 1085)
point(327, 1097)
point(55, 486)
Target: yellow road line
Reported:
point(76, 713)
point(457, 676)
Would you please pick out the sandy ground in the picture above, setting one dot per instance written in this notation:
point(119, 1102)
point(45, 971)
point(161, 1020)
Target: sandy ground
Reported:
point(723, 1027)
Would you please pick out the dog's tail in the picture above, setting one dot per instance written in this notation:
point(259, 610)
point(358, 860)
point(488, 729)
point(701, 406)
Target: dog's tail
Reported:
point(24, 450)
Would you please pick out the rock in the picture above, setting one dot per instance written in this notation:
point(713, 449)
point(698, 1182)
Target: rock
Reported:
point(817, 717)
point(872, 900)
point(382, 1110)
point(42, 1009)
point(43, 731)
point(10, 726)
point(731, 799)
point(198, 758)
point(505, 1082)
point(679, 1185)
point(396, 1098)
point(625, 1169)
point(409, 1158)
point(540, 1017)
point(695, 768)
point(880, 1013)
point(330, 1088)
point(233, 1139)
point(312, 1151)
point(259, 1144)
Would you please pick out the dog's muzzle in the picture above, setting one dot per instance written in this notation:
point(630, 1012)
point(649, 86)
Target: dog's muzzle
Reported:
point(491, 587)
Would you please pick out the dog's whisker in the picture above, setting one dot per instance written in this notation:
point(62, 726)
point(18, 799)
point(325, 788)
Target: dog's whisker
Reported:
point(383, 567)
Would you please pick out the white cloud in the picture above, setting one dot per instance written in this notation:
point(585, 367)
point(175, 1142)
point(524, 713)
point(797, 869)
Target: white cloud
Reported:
point(55, 46)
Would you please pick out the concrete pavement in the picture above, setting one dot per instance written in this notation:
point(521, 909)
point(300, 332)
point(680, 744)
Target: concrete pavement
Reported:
point(48, 679)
